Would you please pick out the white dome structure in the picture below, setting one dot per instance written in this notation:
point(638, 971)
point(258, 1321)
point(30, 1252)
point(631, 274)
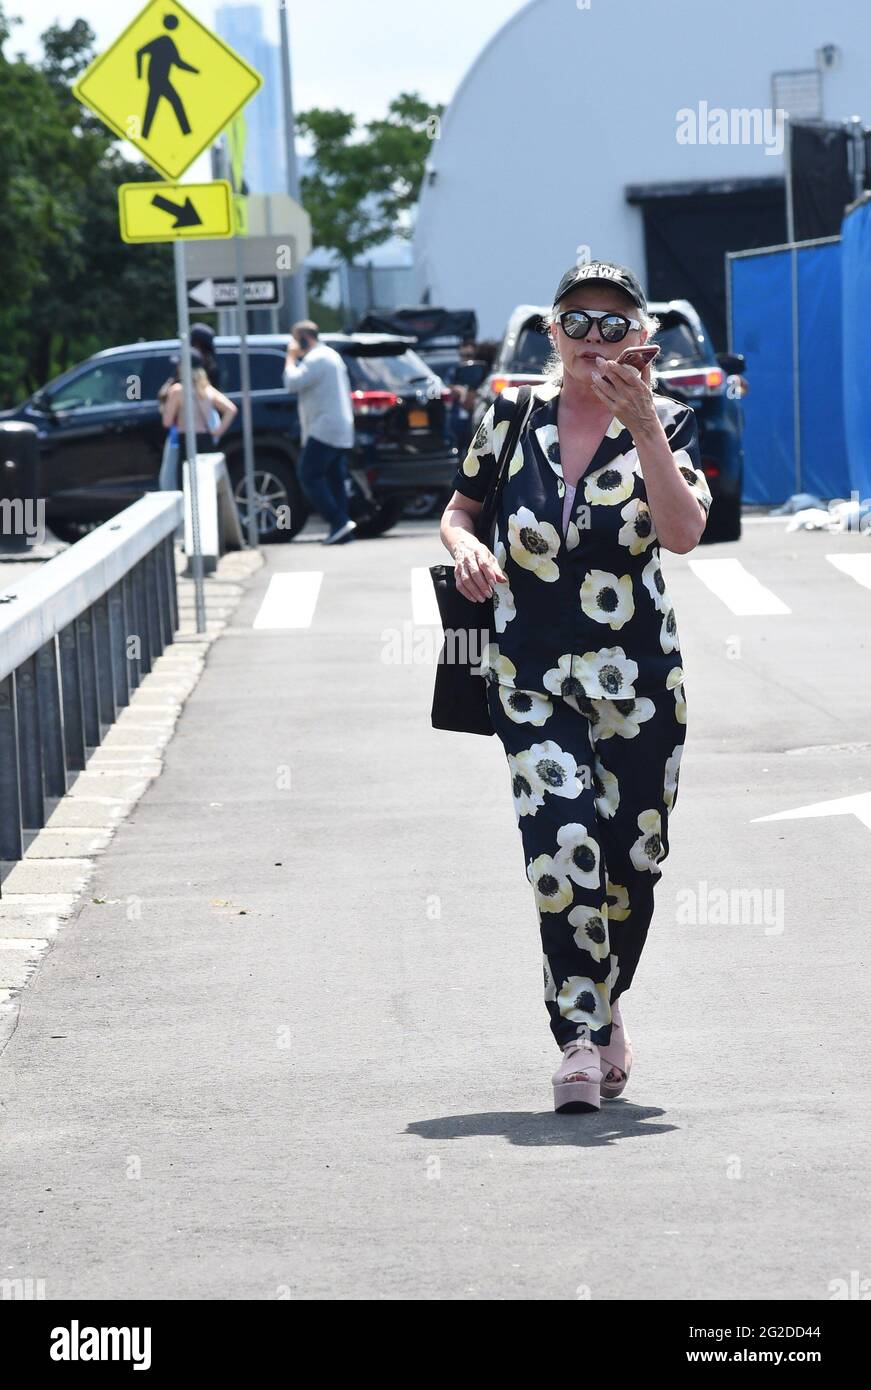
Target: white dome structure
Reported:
point(601, 124)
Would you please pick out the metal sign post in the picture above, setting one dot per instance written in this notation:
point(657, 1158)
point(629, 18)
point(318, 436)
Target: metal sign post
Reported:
point(187, 381)
point(793, 276)
point(244, 372)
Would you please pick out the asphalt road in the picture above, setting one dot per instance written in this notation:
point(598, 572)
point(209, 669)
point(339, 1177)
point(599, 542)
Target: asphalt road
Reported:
point(316, 1063)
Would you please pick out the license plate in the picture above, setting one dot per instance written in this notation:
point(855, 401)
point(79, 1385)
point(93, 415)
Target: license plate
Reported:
point(418, 419)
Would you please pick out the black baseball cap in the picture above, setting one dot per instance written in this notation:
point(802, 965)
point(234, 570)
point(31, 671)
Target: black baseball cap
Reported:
point(602, 273)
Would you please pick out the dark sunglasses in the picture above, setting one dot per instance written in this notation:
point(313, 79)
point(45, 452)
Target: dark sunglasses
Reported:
point(576, 323)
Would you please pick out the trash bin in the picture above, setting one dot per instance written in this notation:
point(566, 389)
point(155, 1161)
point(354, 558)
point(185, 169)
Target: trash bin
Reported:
point(22, 515)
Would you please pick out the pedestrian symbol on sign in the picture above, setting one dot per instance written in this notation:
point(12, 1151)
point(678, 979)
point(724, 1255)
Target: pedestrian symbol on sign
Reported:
point(168, 85)
point(163, 56)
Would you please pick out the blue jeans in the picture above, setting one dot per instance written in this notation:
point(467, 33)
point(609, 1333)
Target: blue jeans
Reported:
point(321, 471)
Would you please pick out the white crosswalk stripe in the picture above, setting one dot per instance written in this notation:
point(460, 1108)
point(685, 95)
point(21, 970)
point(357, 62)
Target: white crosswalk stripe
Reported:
point(290, 600)
point(735, 586)
point(858, 567)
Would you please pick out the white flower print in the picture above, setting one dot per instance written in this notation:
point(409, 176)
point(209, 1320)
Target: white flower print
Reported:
point(607, 789)
point(580, 855)
point(479, 446)
point(559, 679)
point(548, 766)
point(608, 598)
point(503, 599)
point(609, 671)
point(618, 902)
point(615, 429)
point(553, 892)
point(525, 706)
point(591, 930)
point(648, 849)
point(672, 771)
point(583, 1001)
point(654, 582)
point(527, 796)
point(573, 536)
point(548, 441)
point(638, 532)
point(498, 439)
point(495, 666)
point(623, 717)
point(668, 638)
point(694, 476)
point(674, 681)
point(614, 482)
point(533, 544)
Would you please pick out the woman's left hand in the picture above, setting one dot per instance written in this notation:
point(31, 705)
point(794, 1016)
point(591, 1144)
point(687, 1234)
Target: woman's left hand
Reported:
point(626, 391)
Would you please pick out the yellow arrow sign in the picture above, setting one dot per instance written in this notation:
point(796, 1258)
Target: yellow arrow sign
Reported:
point(174, 211)
point(168, 85)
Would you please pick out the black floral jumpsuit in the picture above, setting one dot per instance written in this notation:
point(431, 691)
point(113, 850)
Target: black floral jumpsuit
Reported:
point(586, 693)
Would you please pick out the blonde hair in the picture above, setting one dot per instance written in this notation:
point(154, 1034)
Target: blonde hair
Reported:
point(553, 367)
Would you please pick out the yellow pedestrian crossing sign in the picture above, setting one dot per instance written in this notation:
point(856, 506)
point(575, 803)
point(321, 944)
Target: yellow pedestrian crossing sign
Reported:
point(173, 211)
point(168, 85)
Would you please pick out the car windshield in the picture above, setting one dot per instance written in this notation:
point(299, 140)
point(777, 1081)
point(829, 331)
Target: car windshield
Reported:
point(387, 373)
point(678, 343)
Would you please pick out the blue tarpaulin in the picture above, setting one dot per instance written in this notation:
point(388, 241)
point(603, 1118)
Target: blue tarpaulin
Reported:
point(856, 263)
point(761, 302)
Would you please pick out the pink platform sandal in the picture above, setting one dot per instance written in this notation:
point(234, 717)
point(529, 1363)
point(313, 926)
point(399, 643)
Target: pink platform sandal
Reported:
point(616, 1057)
point(577, 1080)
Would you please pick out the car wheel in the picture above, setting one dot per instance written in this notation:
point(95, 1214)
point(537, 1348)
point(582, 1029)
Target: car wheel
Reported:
point(280, 506)
point(724, 522)
point(423, 505)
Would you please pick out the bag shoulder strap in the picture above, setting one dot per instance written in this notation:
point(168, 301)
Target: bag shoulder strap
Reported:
point(519, 416)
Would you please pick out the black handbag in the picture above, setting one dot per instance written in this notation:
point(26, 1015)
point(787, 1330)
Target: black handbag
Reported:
point(460, 696)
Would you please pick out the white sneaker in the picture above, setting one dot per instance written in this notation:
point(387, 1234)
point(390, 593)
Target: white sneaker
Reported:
point(344, 533)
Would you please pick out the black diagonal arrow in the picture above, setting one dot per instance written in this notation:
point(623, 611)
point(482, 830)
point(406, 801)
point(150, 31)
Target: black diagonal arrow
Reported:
point(185, 214)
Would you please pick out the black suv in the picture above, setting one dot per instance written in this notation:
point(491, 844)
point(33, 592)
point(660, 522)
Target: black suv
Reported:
point(688, 369)
point(101, 437)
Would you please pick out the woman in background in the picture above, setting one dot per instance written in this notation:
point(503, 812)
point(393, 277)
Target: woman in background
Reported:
point(214, 413)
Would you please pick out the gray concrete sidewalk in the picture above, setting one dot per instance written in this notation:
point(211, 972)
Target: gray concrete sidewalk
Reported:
point(294, 1046)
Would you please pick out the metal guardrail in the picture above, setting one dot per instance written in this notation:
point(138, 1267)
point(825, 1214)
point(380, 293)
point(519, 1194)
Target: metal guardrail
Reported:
point(76, 639)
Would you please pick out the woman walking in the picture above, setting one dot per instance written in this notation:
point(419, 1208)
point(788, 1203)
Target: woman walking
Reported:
point(585, 681)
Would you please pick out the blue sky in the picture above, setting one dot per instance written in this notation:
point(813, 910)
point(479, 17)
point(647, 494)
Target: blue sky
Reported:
point(355, 54)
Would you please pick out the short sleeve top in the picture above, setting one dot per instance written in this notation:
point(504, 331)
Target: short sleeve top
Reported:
point(585, 610)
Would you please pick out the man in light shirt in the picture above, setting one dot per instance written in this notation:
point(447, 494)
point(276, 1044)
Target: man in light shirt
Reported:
point(319, 378)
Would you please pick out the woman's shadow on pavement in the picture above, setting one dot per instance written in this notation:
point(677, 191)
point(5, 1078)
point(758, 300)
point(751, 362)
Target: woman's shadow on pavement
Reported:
point(617, 1120)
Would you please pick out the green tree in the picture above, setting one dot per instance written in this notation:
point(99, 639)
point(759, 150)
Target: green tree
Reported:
point(361, 187)
point(72, 285)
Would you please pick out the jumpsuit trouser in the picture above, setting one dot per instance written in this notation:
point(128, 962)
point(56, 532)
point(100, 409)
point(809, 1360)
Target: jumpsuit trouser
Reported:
point(593, 782)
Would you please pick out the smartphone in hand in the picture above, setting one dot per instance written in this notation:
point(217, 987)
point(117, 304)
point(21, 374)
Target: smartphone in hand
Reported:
point(640, 356)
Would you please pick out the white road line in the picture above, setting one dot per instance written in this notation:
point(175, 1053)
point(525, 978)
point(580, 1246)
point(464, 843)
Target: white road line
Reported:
point(741, 592)
point(424, 609)
point(290, 600)
point(858, 567)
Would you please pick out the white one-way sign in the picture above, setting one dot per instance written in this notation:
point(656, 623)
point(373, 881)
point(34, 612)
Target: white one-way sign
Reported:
point(260, 291)
point(858, 805)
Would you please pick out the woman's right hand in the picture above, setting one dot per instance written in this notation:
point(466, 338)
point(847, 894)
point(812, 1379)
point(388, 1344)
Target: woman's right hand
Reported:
point(476, 570)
